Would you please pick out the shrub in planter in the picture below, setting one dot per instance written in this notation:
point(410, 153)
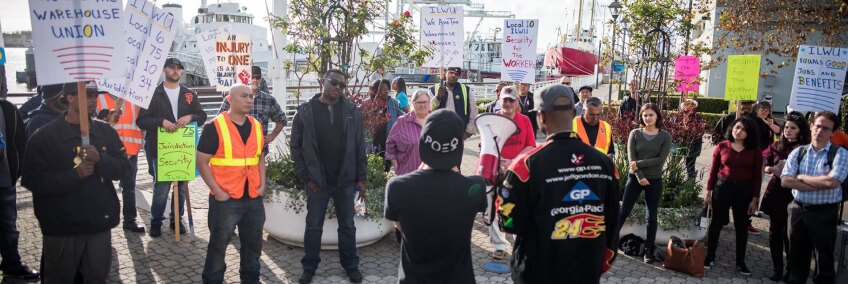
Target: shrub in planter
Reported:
point(282, 180)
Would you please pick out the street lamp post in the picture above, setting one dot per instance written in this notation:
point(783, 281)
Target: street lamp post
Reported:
point(622, 76)
point(614, 7)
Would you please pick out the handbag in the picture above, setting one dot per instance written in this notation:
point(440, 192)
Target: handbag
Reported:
point(685, 256)
point(706, 217)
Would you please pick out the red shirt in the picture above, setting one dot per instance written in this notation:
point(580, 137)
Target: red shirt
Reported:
point(738, 166)
point(523, 138)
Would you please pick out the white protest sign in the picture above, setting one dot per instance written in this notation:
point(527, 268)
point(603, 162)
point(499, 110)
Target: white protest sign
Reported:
point(233, 60)
point(206, 43)
point(148, 34)
point(77, 40)
point(442, 29)
point(519, 50)
point(818, 80)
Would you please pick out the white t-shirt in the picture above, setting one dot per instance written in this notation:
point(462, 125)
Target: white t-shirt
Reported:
point(173, 94)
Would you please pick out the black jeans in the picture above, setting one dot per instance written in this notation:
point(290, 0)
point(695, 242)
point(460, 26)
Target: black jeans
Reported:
point(653, 192)
point(812, 228)
point(86, 257)
point(730, 195)
point(778, 239)
point(316, 209)
point(8, 229)
point(248, 215)
point(128, 192)
point(694, 152)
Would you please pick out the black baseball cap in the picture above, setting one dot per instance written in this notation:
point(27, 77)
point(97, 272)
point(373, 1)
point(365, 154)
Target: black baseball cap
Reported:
point(584, 87)
point(441, 145)
point(255, 71)
point(455, 69)
point(173, 61)
point(49, 92)
point(546, 96)
point(90, 88)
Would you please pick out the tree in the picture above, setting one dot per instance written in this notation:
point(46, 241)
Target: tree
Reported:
point(328, 34)
point(778, 27)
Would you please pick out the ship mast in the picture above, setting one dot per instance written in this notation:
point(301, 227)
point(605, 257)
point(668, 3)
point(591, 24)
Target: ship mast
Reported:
point(592, 21)
point(579, 20)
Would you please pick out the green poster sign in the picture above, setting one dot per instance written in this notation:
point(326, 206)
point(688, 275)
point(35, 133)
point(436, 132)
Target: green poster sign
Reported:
point(743, 77)
point(176, 154)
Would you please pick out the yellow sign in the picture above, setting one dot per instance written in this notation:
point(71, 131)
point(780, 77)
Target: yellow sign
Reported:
point(176, 154)
point(743, 77)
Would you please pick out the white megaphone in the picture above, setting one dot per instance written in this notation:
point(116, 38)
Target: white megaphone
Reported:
point(494, 129)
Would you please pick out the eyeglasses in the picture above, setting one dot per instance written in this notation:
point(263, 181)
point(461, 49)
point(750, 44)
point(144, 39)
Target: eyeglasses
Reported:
point(421, 102)
point(337, 83)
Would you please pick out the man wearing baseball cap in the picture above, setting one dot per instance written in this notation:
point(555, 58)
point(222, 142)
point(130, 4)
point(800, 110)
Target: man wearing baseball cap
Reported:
point(560, 200)
point(436, 198)
point(73, 194)
point(172, 107)
point(456, 97)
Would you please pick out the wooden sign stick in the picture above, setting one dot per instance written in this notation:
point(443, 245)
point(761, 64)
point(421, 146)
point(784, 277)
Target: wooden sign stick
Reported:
point(82, 98)
point(176, 212)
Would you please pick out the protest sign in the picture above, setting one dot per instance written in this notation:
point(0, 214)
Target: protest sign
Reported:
point(148, 34)
point(442, 30)
point(232, 52)
point(2, 50)
point(519, 50)
point(206, 43)
point(176, 154)
point(686, 71)
point(743, 77)
point(819, 78)
point(77, 40)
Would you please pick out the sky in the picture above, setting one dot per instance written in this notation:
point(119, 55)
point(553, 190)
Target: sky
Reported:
point(15, 16)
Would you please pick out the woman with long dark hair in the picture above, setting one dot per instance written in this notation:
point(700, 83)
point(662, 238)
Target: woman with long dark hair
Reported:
point(647, 150)
point(399, 86)
point(796, 132)
point(734, 183)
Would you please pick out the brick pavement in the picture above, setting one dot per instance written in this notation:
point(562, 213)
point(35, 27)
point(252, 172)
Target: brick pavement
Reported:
point(138, 258)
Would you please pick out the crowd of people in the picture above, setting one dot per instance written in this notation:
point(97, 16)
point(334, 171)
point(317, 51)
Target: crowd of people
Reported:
point(559, 198)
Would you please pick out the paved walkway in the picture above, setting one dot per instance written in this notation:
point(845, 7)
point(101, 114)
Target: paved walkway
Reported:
point(138, 258)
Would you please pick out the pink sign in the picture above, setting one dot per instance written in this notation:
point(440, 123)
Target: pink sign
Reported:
point(686, 70)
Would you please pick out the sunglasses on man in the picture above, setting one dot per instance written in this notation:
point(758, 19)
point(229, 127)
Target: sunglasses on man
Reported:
point(337, 83)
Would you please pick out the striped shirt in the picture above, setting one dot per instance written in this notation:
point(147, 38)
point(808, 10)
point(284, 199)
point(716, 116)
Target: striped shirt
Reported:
point(815, 164)
point(402, 144)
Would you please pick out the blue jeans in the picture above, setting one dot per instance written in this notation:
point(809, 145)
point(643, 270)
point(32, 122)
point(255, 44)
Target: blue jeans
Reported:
point(653, 192)
point(128, 192)
point(316, 208)
point(161, 190)
point(249, 215)
point(8, 229)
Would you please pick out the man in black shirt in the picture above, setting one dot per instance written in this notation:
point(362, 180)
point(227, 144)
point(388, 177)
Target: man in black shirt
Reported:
point(560, 200)
point(328, 149)
point(236, 183)
point(436, 197)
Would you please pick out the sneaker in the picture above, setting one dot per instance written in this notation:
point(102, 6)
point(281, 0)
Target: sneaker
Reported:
point(155, 231)
point(708, 263)
point(133, 227)
point(648, 258)
point(306, 277)
point(182, 228)
point(22, 272)
point(499, 255)
point(354, 275)
point(742, 269)
point(752, 230)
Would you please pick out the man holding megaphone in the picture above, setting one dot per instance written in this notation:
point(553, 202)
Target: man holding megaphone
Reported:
point(521, 141)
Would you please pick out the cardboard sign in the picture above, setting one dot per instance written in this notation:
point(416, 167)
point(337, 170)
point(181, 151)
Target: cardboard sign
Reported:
point(819, 77)
point(518, 51)
point(686, 71)
point(743, 77)
point(148, 34)
point(443, 30)
point(77, 40)
point(206, 43)
point(233, 60)
point(176, 154)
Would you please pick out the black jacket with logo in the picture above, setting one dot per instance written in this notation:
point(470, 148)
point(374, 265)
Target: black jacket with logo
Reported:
point(159, 110)
point(561, 201)
point(64, 204)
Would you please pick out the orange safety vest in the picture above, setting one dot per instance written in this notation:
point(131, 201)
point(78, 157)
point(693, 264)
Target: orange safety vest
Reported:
point(604, 139)
point(127, 130)
point(236, 162)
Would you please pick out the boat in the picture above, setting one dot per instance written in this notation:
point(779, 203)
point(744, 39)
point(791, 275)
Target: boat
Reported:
point(575, 55)
point(212, 16)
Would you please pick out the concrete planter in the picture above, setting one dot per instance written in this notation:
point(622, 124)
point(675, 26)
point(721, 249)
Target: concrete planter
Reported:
point(288, 226)
point(640, 227)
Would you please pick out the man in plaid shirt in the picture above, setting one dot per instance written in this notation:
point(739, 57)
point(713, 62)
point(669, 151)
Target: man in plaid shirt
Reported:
point(265, 109)
point(816, 187)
